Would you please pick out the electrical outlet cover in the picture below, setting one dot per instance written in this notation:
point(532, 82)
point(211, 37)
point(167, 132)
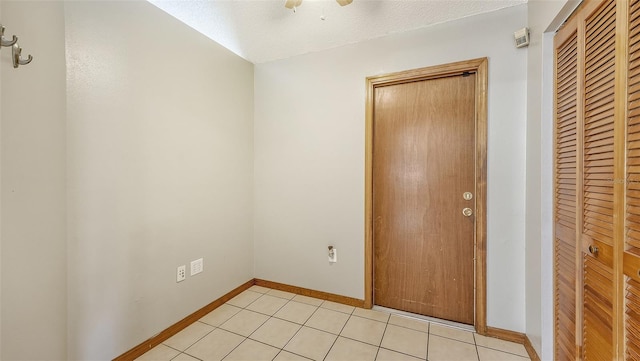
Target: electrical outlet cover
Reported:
point(181, 274)
point(333, 255)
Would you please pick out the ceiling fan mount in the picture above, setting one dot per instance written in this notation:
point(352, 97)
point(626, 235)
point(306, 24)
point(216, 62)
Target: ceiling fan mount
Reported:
point(292, 4)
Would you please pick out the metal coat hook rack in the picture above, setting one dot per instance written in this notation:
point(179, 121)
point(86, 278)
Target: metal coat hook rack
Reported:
point(16, 50)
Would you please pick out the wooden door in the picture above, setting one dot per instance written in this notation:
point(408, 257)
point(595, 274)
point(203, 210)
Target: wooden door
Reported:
point(598, 186)
point(566, 160)
point(423, 162)
point(631, 256)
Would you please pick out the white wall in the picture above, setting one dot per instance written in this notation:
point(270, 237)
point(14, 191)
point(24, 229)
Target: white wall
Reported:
point(539, 216)
point(309, 156)
point(33, 254)
point(3, 63)
point(160, 159)
point(538, 20)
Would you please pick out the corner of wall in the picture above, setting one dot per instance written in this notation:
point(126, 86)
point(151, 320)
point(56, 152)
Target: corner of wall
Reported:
point(1, 67)
point(544, 18)
point(32, 183)
point(159, 173)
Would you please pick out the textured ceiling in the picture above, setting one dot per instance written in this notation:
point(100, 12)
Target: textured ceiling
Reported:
point(264, 30)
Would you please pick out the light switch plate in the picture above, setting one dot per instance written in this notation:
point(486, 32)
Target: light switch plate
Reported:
point(197, 266)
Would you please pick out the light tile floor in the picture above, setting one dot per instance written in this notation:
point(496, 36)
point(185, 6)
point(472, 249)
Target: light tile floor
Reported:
point(265, 324)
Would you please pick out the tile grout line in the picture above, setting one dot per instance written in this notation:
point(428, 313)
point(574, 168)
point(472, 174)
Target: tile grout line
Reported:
point(503, 351)
point(184, 353)
point(173, 348)
point(311, 315)
point(371, 319)
point(428, 340)
point(238, 345)
point(286, 343)
point(392, 350)
point(274, 315)
point(248, 304)
point(179, 352)
point(270, 316)
point(409, 328)
point(476, 345)
point(198, 340)
point(366, 343)
point(338, 336)
point(294, 335)
point(223, 322)
point(245, 337)
point(334, 310)
point(311, 327)
point(382, 338)
point(332, 344)
point(297, 354)
point(455, 339)
point(277, 318)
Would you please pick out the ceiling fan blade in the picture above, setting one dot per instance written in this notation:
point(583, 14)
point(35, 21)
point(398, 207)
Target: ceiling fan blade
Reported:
point(290, 4)
point(344, 2)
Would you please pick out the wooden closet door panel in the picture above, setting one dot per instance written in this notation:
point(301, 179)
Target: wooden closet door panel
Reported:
point(598, 307)
point(631, 263)
point(632, 311)
point(598, 124)
point(598, 184)
point(566, 197)
point(631, 259)
point(632, 323)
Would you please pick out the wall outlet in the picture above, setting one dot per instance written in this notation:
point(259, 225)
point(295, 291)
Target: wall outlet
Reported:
point(197, 266)
point(333, 255)
point(182, 273)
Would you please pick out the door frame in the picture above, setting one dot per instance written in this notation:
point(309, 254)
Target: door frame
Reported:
point(480, 67)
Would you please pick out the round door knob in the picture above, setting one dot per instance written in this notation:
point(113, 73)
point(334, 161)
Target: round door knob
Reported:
point(467, 212)
point(593, 250)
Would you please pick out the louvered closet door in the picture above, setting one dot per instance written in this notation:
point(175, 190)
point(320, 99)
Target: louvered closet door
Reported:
point(565, 195)
point(598, 184)
point(631, 258)
point(607, 284)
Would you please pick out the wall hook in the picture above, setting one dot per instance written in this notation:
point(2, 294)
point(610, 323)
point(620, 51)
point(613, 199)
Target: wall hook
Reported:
point(17, 60)
point(3, 41)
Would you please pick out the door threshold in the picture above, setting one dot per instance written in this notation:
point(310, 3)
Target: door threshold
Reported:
point(461, 326)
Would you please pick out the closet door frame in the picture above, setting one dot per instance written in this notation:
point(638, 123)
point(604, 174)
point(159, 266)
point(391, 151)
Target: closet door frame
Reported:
point(620, 175)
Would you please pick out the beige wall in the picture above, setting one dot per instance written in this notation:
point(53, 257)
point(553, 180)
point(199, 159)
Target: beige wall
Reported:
point(309, 156)
point(33, 232)
point(3, 63)
point(159, 173)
